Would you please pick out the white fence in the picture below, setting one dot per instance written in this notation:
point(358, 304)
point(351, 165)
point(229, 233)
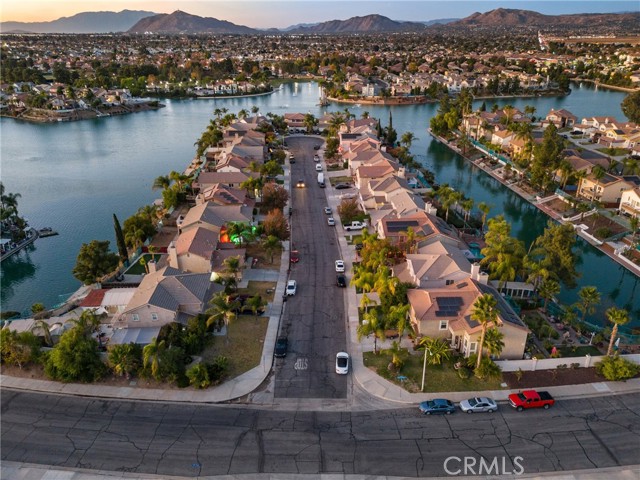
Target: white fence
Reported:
point(533, 364)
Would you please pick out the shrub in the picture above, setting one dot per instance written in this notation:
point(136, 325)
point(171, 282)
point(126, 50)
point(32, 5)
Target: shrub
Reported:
point(519, 374)
point(575, 366)
point(199, 376)
point(464, 373)
point(562, 366)
point(488, 369)
point(217, 369)
point(617, 368)
point(603, 232)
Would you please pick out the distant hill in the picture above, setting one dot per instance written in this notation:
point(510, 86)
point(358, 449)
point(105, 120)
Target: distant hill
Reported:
point(512, 17)
point(366, 24)
point(439, 21)
point(181, 22)
point(296, 26)
point(86, 22)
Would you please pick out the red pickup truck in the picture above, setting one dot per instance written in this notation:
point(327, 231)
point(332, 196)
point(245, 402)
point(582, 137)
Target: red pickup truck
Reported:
point(530, 399)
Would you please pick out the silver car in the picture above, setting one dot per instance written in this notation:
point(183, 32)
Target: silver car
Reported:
point(478, 404)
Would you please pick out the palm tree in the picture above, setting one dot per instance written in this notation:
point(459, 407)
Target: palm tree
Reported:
point(484, 311)
point(232, 265)
point(255, 303)
point(255, 109)
point(398, 317)
point(589, 298)
point(485, 208)
point(529, 110)
point(410, 240)
point(87, 322)
point(151, 356)
point(631, 166)
point(242, 114)
point(124, 358)
point(567, 170)
point(222, 308)
point(407, 139)
point(161, 182)
point(549, 288)
point(271, 244)
point(180, 179)
point(467, 206)
point(365, 301)
point(44, 327)
point(438, 348)
point(371, 325)
point(494, 341)
point(445, 194)
point(633, 224)
point(617, 316)
point(310, 122)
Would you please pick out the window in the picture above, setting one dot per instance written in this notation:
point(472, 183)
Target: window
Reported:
point(135, 317)
point(449, 282)
point(473, 347)
point(154, 316)
point(444, 324)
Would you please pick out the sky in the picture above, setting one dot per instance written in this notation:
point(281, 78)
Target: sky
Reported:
point(279, 14)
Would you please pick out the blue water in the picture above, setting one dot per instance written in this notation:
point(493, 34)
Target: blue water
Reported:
point(74, 176)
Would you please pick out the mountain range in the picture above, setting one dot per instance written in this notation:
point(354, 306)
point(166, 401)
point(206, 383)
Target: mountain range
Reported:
point(181, 22)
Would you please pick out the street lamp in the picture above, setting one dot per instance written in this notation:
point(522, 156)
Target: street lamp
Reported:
point(424, 366)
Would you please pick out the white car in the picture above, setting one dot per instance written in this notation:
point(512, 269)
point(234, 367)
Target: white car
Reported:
point(342, 363)
point(339, 266)
point(331, 222)
point(316, 158)
point(318, 168)
point(292, 286)
point(478, 404)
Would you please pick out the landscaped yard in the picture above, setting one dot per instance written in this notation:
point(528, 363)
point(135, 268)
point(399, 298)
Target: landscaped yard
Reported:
point(616, 152)
point(137, 268)
point(242, 346)
point(343, 179)
point(254, 250)
point(600, 226)
point(438, 378)
point(265, 289)
point(558, 205)
point(579, 351)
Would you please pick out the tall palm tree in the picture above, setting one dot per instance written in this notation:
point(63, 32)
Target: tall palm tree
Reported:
point(548, 289)
point(398, 317)
point(43, 326)
point(232, 265)
point(310, 122)
point(271, 244)
point(87, 322)
point(589, 298)
point(365, 301)
point(371, 325)
point(124, 358)
point(161, 182)
point(467, 206)
point(485, 312)
point(617, 316)
point(494, 341)
point(152, 355)
point(407, 139)
point(485, 208)
point(222, 308)
point(242, 114)
point(255, 109)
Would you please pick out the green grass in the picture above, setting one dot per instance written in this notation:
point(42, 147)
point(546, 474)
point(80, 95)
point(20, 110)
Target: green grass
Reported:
point(343, 179)
point(137, 269)
point(438, 378)
point(616, 151)
point(580, 351)
point(259, 288)
point(243, 346)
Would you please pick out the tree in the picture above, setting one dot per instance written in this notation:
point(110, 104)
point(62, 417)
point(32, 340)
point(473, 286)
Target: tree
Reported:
point(494, 341)
point(138, 227)
point(199, 376)
point(398, 316)
point(310, 122)
point(437, 348)
point(232, 265)
point(407, 139)
point(125, 359)
point(161, 183)
point(503, 254)
point(255, 303)
point(617, 316)
point(271, 244)
point(371, 325)
point(18, 348)
point(485, 209)
point(152, 356)
point(549, 288)
point(37, 308)
point(485, 312)
point(75, 358)
point(239, 232)
point(631, 106)
point(122, 246)
point(274, 196)
point(222, 308)
point(589, 298)
point(349, 210)
point(94, 261)
point(275, 224)
point(44, 327)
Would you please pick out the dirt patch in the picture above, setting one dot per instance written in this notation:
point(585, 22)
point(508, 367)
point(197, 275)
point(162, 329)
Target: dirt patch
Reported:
point(552, 378)
point(254, 251)
point(598, 224)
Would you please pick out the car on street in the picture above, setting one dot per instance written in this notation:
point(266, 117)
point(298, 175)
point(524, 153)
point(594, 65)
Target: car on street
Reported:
point(316, 158)
point(327, 210)
point(437, 406)
point(281, 347)
point(342, 363)
point(341, 281)
point(292, 286)
point(331, 222)
point(292, 159)
point(294, 256)
point(478, 404)
point(300, 183)
point(316, 147)
point(318, 167)
point(342, 186)
point(531, 399)
point(339, 266)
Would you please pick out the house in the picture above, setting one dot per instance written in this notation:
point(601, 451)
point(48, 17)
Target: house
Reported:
point(560, 118)
point(445, 312)
point(215, 217)
point(630, 202)
point(222, 195)
point(193, 249)
point(607, 189)
point(427, 227)
point(165, 296)
point(435, 265)
point(230, 179)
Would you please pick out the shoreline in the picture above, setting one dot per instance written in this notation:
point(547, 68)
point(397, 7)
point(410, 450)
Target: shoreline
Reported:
point(556, 93)
point(421, 100)
point(529, 198)
point(215, 97)
point(51, 116)
point(609, 87)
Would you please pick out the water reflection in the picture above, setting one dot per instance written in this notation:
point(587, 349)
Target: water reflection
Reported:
point(15, 270)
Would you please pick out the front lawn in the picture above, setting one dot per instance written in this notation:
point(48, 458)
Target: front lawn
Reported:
point(579, 351)
point(616, 152)
point(265, 289)
point(254, 250)
point(242, 346)
point(343, 179)
point(438, 378)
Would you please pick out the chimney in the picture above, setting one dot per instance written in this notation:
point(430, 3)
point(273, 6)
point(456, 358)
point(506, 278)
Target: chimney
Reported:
point(475, 271)
point(402, 172)
point(152, 265)
point(430, 209)
point(173, 255)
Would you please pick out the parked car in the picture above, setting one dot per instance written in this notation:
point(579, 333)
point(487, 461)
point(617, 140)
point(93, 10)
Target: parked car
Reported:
point(478, 404)
point(327, 210)
point(342, 186)
point(292, 159)
point(339, 266)
point(341, 281)
point(300, 183)
point(316, 147)
point(292, 286)
point(331, 222)
point(281, 347)
point(342, 363)
point(437, 406)
point(355, 225)
point(318, 167)
point(294, 256)
point(316, 158)
point(531, 399)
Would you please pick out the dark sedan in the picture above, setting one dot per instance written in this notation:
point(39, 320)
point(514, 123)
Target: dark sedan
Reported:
point(437, 406)
point(281, 347)
point(341, 281)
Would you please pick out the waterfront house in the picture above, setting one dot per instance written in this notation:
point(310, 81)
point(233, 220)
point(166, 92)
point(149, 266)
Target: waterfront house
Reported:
point(427, 227)
point(630, 202)
point(193, 249)
point(607, 189)
point(229, 179)
point(560, 118)
point(165, 296)
point(445, 312)
point(215, 217)
point(222, 195)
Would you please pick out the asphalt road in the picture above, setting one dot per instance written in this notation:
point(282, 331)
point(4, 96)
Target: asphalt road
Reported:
point(314, 319)
point(192, 440)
